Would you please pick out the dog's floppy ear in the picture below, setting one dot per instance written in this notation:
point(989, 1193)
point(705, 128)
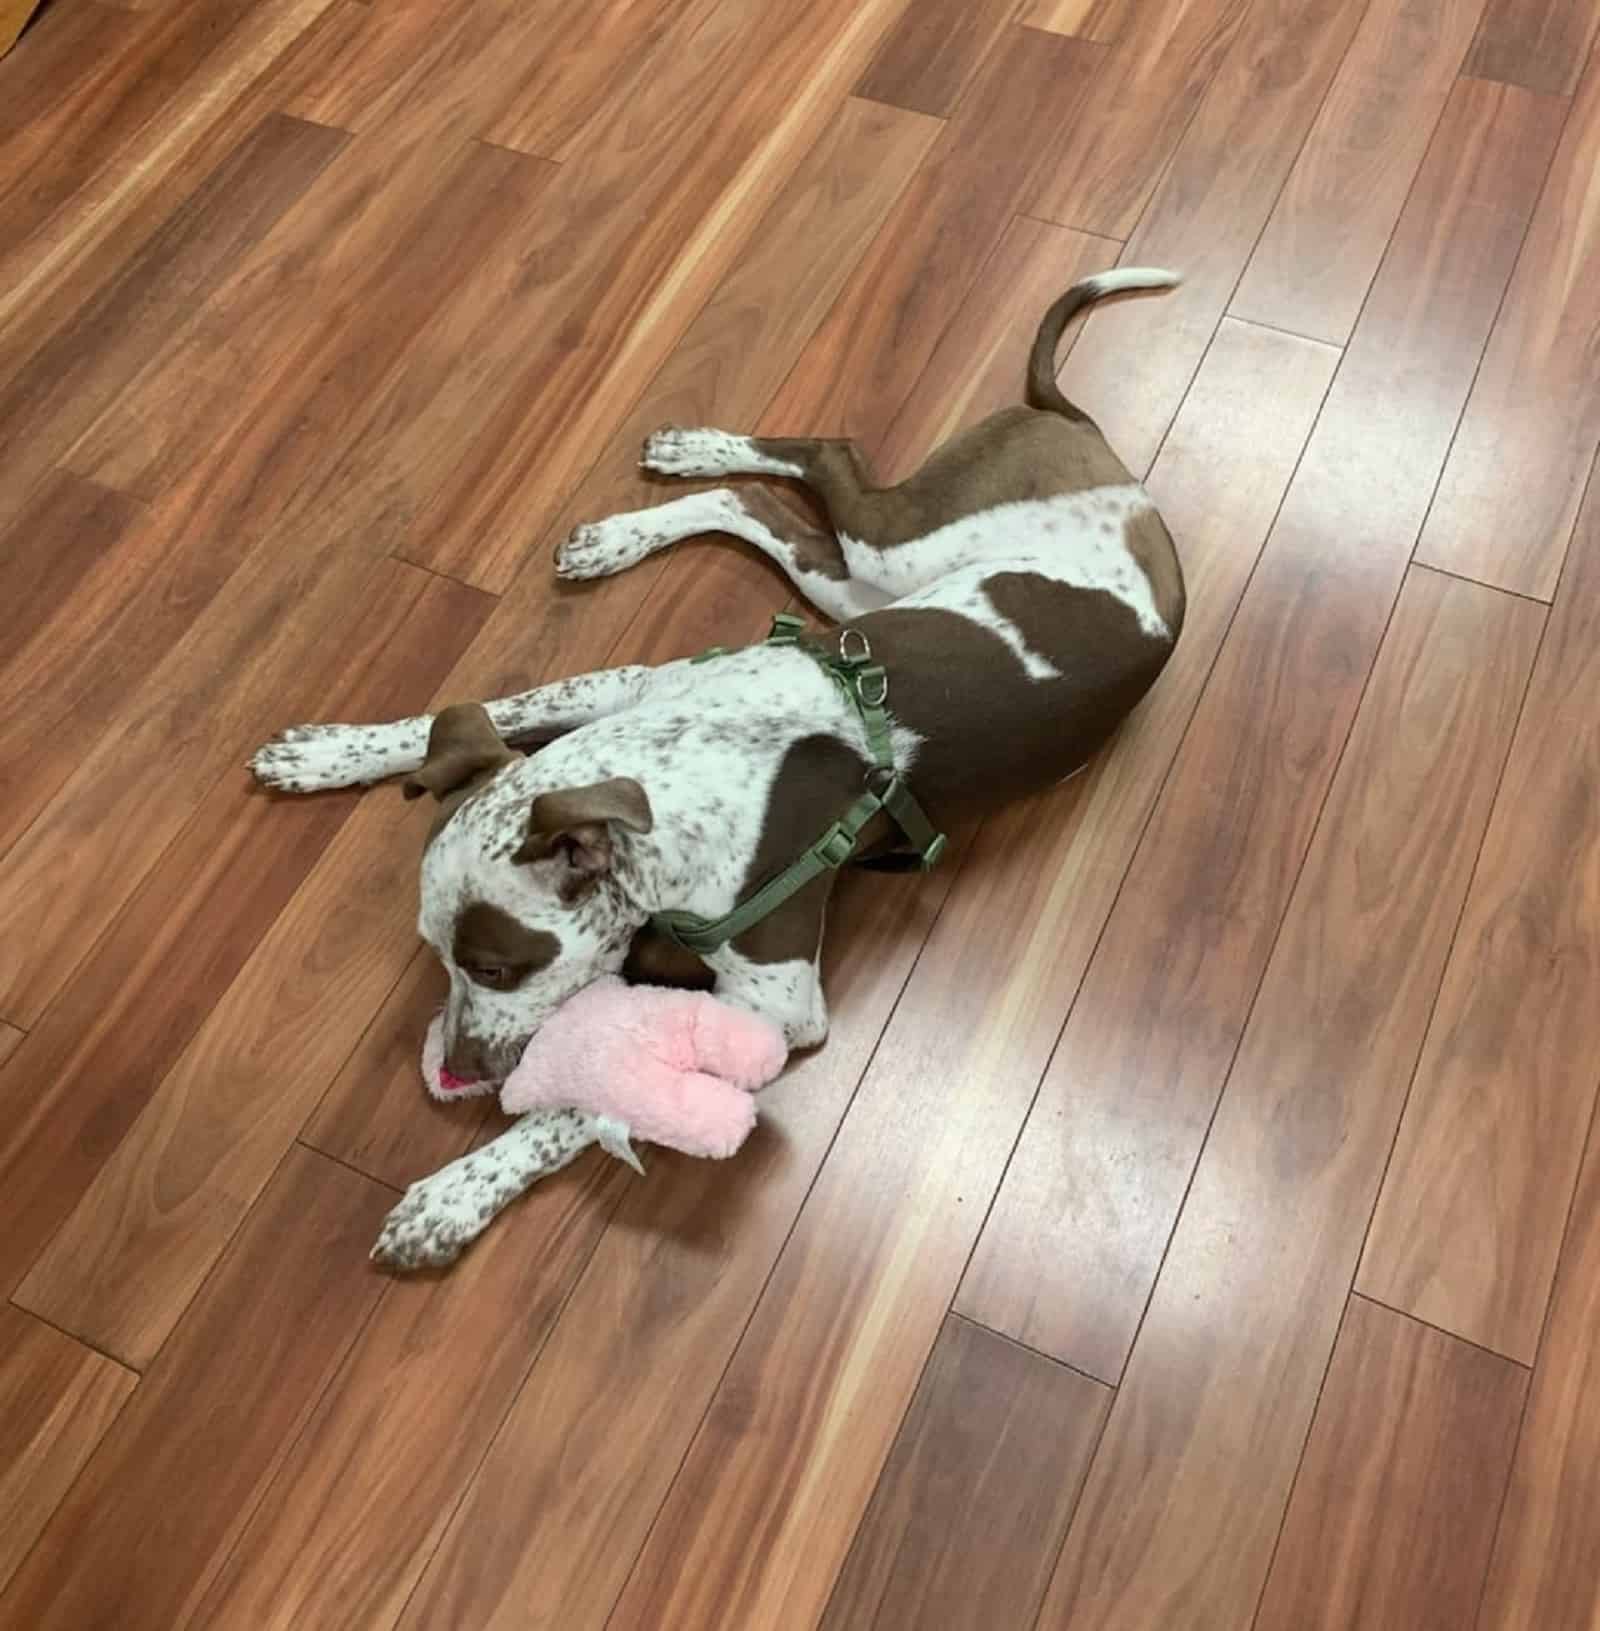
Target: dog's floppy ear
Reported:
point(462, 746)
point(575, 825)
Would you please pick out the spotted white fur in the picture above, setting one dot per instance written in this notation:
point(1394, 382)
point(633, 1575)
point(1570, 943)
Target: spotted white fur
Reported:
point(706, 452)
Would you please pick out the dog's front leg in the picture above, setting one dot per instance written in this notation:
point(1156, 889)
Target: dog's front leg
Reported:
point(439, 1216)
point(312, 758)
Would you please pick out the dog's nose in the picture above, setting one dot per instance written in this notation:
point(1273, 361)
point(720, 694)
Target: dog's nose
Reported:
point(464, 1066)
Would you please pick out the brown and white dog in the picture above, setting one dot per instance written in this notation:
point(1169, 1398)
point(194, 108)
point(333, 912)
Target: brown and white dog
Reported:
point(1020, 590)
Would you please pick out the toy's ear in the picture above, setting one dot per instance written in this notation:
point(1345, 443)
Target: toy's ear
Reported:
point(576, 825)
point(462, 746)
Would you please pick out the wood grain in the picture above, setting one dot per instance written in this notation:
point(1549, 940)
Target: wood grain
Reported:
point(1469, 1223)
point(891, 1220)
point(933, 52)
point(361, 1500)
point(1394, 1509)
point(396, 234)
point(1175, 1510)
point(165, 1203)
point(1542, 1578)
point(1100, 20)
point(1135, 359)
point(119, 128)
point(1115, 149)
point(981, 363)
point(377, 1117)
point(584, 80)
point(877, 339)
point(1542, 44)
point(1072, 1245)
point(57, 1398)
point(976, 1494)
point(67, 529)
point(146, 1526)
point(583, 331)
point(92, 1063)
point(132, 319)
point(1517, 471)
point(1316, 260)
point(9, 1038)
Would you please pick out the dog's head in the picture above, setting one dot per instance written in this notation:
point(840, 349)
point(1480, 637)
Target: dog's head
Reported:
point(520, 897)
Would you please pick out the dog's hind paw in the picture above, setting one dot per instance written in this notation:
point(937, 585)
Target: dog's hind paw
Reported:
point(599, 549)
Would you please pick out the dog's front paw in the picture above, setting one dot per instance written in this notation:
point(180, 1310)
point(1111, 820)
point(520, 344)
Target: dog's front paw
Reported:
point(283, 764)
point(435, 1221)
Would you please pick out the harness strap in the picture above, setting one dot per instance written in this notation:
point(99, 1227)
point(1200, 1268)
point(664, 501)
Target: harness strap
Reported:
point(866, 684)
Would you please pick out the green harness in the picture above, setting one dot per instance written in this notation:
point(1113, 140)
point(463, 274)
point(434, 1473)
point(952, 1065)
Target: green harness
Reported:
point(866, 685)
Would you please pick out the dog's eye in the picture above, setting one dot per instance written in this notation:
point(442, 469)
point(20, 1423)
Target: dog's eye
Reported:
point(497, 976)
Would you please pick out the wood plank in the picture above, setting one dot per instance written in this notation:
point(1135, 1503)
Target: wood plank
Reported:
point(1410, 1422)
point(867, 356)
point(1542, 44)
point(147, 1525)
point(977, 1492)
point(96, 241)
point(352, 1518)
point(1542, 1577)
point(66, 47)
point(73, 378)
point(167, 68)
point(1100, 178)
point(377, 1117)
point(1469, 1224)
point(1135, 359)
point(61, 535)
point(856, 1299)
point(980, 365)
point(1174, 1509)
point(697, 157)
point(1516, 474)
point(57, 1399)
point(1100, 20)
point(585, 79)
point(1074, 1240)
point(933, 52)
point(92, 1063)
point(396, 231)
point(1317, 258)
point(10, 1036)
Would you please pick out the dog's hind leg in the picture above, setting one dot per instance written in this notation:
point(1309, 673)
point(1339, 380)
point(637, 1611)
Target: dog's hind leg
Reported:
point(810, 555)
point(312, 758)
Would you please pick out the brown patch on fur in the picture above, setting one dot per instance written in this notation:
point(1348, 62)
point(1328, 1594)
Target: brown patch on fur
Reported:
point(487, 937)
point(465, 753)
point(1014, 455)
point(653, 959)
point(815, 548)
point(991, 732)
point(1150, 544)
point(819, 778)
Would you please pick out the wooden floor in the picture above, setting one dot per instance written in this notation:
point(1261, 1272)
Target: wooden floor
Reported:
point(1193, 1223)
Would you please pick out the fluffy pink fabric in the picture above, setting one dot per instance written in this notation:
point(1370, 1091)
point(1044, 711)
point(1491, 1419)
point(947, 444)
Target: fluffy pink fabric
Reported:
point(678, 1067)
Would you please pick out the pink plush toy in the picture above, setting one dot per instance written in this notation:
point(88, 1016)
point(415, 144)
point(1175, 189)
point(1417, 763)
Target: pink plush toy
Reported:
point(675, 1068)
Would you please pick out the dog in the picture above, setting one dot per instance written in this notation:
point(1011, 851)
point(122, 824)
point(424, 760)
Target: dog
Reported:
point(1018, 595)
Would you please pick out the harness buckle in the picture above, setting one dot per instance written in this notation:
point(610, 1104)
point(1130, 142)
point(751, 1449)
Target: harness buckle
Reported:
point(876, 675)
point(835, 847)
point(853, 658)
point(786, 629)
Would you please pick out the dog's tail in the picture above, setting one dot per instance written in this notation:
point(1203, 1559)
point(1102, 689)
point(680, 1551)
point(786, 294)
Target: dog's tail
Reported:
point(1043, 392)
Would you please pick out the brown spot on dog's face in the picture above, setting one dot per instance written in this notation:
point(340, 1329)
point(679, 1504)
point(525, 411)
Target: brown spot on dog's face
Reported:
point(495, 951)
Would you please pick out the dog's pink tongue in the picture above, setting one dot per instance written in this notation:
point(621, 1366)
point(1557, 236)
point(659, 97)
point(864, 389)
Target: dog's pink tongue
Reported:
point(452, 1083)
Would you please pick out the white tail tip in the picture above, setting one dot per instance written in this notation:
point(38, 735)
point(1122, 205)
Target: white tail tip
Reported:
point(1132, 277)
